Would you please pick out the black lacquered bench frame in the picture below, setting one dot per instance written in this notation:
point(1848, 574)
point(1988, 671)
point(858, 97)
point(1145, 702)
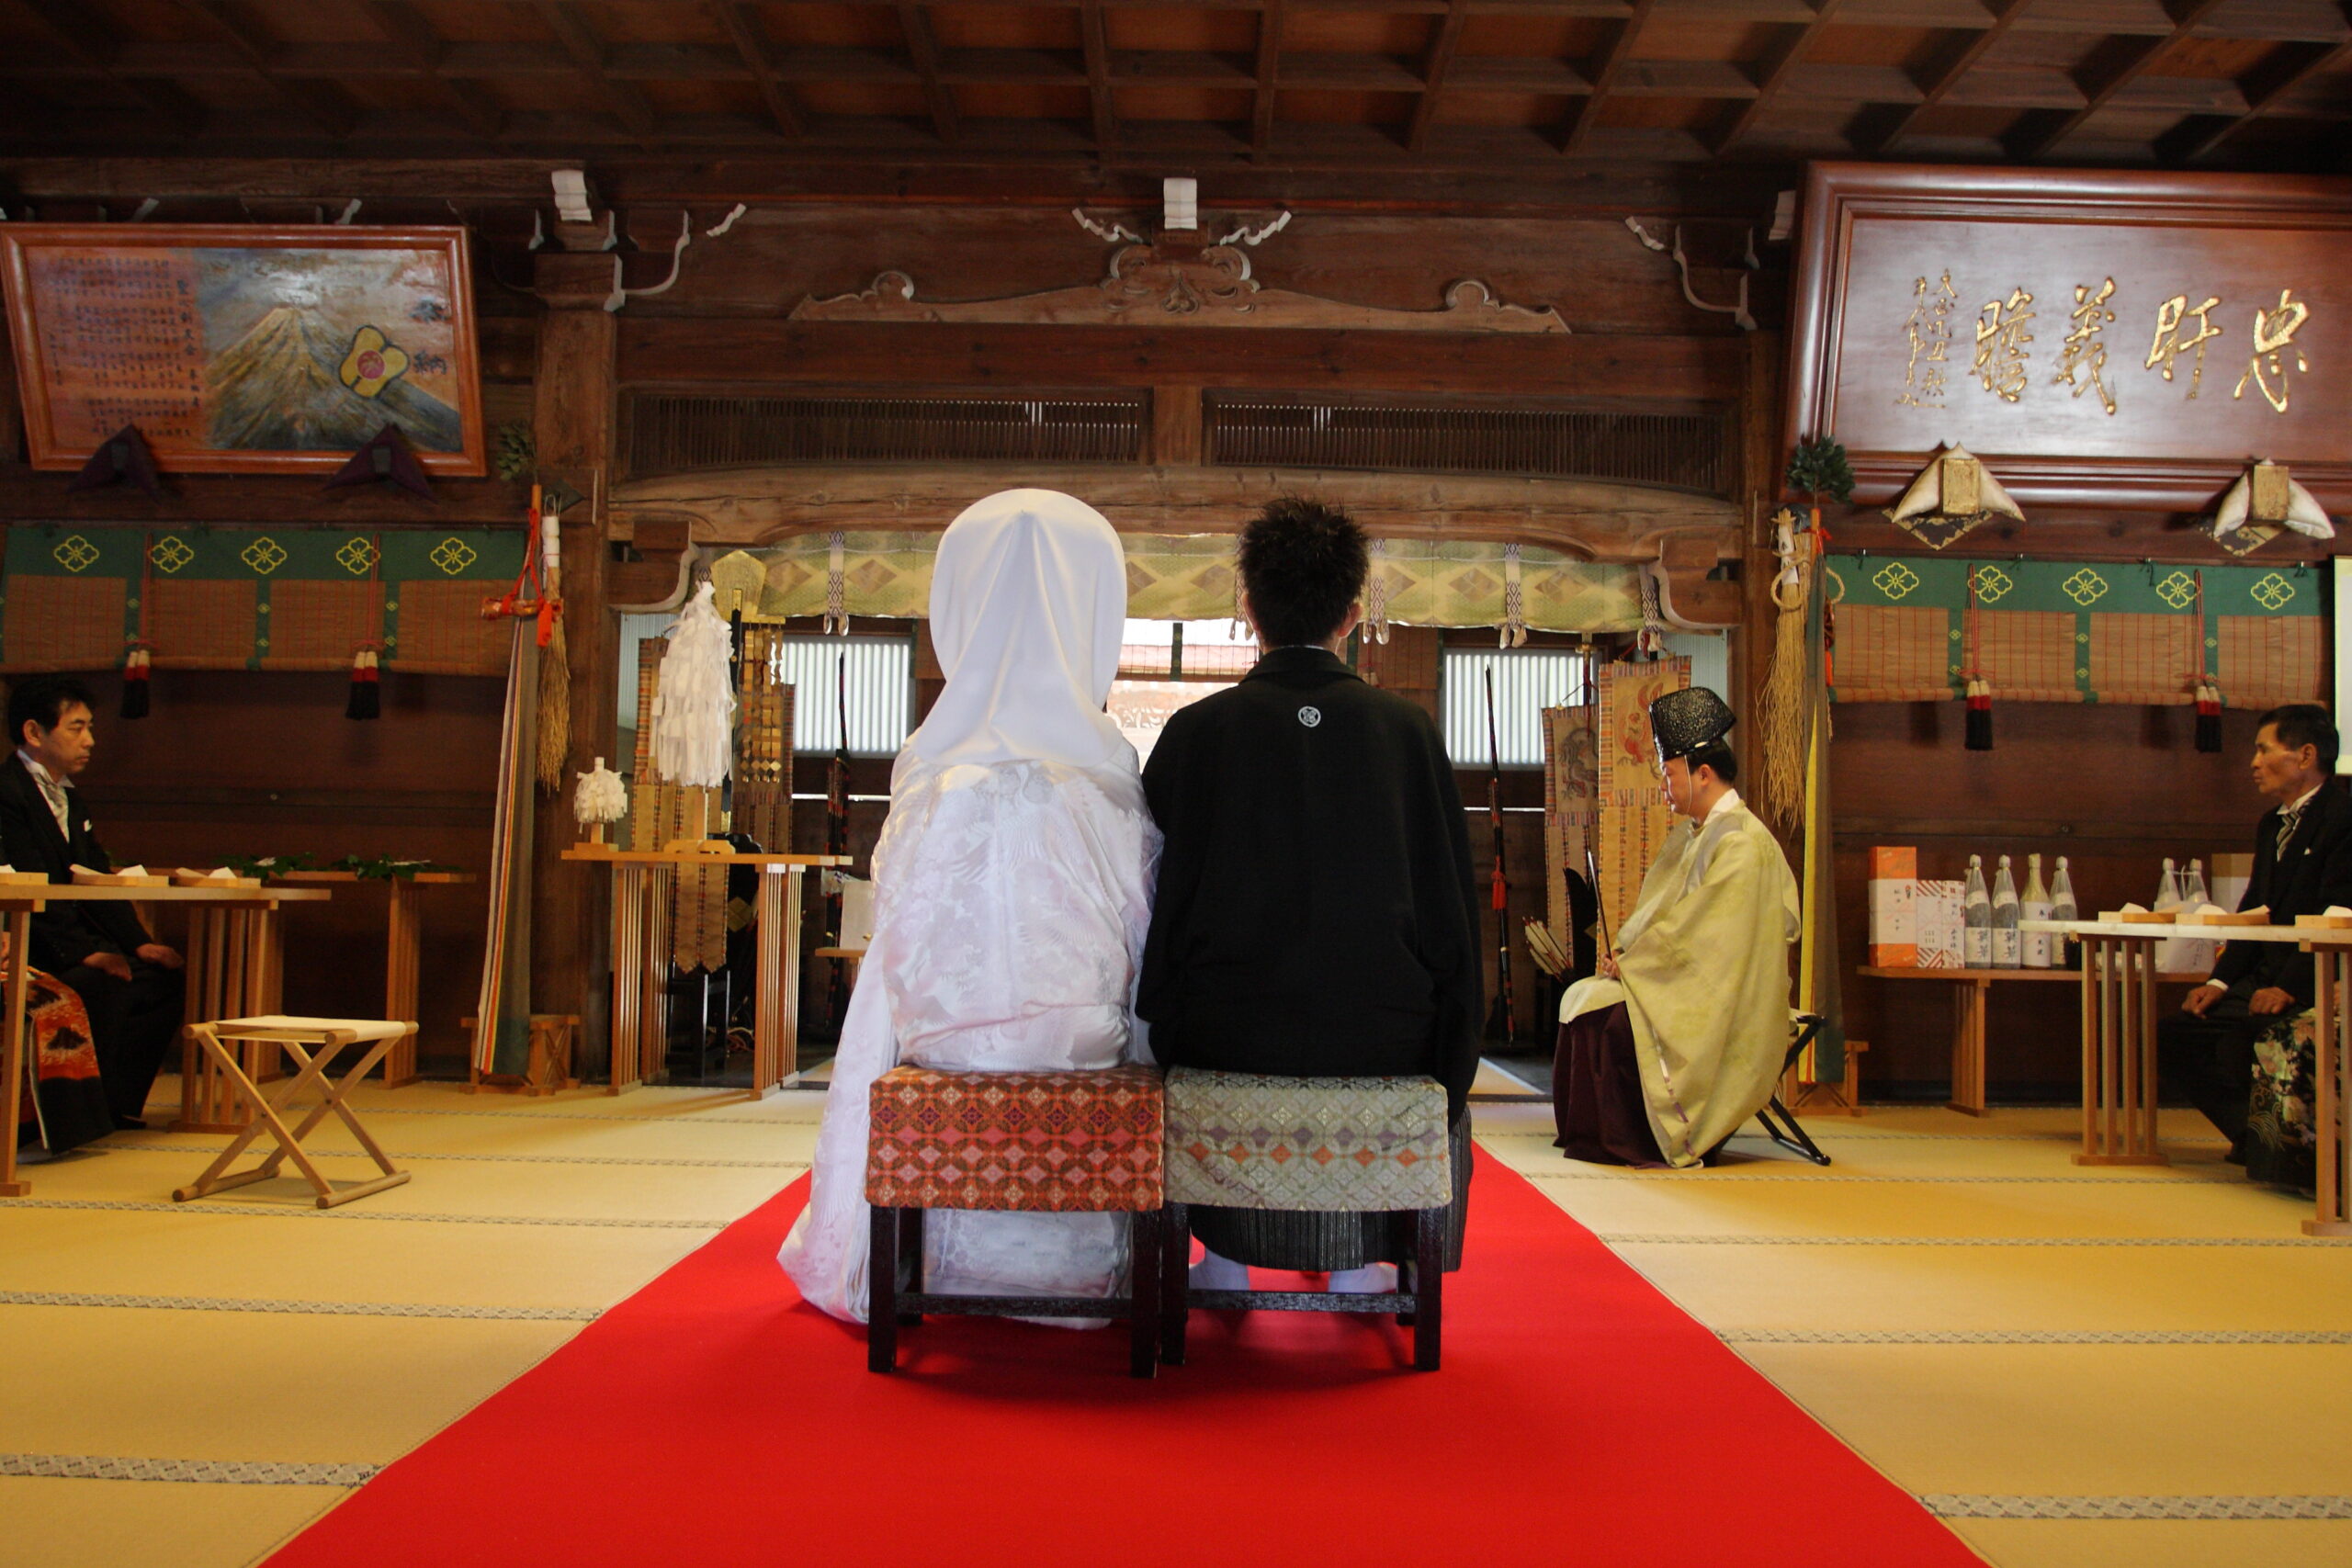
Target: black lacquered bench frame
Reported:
point(895, 1295)
point(1421, 1308)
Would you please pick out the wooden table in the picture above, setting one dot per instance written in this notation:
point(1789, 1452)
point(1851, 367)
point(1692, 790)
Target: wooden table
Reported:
point(234, 958)
point(1968, 1018)
point(642, 880)
point(406, 927)
point(2119, 1043)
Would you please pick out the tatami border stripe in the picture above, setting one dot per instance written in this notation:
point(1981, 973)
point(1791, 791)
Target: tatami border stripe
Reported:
point(699, 1118)
point(346, 1213)
point(1835, 1134)
point(1966, 1505)
point(520, 1159)
point(2034, 1336)
point(218, 1471)
point(1656, 1238)
point(331, 1309)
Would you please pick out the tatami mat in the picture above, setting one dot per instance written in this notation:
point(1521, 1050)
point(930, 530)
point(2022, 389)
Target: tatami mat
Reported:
point(2074, 1367)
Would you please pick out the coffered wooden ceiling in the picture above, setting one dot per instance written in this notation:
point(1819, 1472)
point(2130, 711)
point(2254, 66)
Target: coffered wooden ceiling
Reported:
point(1359, 85)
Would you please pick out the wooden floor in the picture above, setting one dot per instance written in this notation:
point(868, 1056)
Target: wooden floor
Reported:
point(2142, 1368)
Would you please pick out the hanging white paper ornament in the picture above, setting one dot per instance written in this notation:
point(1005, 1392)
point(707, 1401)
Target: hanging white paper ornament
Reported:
point(600, 797)
point(694, 706)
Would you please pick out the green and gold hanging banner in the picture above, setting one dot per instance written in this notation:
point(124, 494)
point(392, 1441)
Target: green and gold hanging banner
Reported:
point(253, 598)
point(1190, 578)
point(2077, 631)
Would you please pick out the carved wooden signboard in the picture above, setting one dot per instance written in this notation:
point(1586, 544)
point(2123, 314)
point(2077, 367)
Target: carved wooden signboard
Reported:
point(2123, 339)
point(244, 349)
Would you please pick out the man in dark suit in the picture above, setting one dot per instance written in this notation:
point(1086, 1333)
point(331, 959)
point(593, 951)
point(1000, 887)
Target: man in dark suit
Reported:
point(130, 982)
point(2303, 864)
point(1316, 913)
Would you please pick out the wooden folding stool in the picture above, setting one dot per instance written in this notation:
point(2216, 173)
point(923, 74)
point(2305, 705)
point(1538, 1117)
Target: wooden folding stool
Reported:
point(299, 1037)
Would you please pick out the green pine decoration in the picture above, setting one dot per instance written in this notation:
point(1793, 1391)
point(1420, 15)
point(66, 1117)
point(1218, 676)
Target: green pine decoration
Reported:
point(518, 451)
point(1818, 468)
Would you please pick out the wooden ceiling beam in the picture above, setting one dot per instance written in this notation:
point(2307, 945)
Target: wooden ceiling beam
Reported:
point(626, 103)
point(743, 30)
point(1097, 78)
point(922, 48)
point(1773, 74)
point(90, 41)
point(2285, 68)
point(2113, 65)
point(1601, 70)
point(412, 37)
point(1954, 58)
point(320, 103)
point(1270, 60)
point(1434, 68)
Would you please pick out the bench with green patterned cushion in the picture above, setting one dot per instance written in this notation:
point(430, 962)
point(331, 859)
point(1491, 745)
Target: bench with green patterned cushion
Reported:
point(1357, 1144)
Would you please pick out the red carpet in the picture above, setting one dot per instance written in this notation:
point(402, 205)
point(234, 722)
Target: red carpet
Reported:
point(713, 1419)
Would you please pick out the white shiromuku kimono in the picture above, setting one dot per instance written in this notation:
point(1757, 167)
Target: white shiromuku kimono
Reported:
point(1013, 892)
point(1704, 972)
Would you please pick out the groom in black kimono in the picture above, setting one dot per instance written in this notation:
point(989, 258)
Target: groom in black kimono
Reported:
point(1316, 914)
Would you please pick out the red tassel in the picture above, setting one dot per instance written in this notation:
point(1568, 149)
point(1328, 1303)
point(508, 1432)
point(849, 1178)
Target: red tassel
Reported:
point(1980, 714)
point(2208, 717)
point(134, 683)
point(367, 692)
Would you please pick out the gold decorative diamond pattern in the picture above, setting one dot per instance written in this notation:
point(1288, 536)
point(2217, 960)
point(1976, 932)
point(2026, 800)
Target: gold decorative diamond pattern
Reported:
point(170, 553)
point(1895, 581)
point(265, 555)
point(2177, 591)
point(2272, 592)
point(356, 557)
point(75, 553)
point(2084, 587)
point(453, 555)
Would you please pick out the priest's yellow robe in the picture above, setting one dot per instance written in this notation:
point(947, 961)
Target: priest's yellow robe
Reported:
point(1704, 972)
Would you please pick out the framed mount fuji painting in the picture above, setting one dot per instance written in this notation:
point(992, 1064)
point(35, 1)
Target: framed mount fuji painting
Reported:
point(242, 349)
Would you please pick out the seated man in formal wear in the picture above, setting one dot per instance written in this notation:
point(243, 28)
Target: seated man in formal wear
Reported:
point(2303, 864)
point(1680, 1038)
point(1315, 914)
point(130, 983)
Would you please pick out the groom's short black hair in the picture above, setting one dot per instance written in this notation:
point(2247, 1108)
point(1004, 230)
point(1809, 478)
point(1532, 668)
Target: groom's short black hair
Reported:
point(1302, 565)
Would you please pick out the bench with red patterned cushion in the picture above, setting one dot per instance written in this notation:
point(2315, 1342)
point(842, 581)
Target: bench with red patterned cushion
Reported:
point(1069, 1143)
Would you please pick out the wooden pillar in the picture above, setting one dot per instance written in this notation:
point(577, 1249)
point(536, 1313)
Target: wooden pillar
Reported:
point(1760, 488)
point(572, 420)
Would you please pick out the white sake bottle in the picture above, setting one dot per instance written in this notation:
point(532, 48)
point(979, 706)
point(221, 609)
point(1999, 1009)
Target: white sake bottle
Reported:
point(2036, 907)
point(2195, 957)
point(2063, 908)
point(1975, 919)
point(2168, 958)
point(2006, 949)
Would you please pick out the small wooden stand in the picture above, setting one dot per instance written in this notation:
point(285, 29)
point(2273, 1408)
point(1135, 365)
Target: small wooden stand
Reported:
point(642, 881)
point(553, 1038)
point(1841, 1098)
point(298, 1037)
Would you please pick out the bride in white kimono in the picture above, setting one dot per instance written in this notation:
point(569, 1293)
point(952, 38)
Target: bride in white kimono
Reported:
point(1013, 889)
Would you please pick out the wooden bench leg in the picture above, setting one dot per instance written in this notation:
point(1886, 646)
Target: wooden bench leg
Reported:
point(1175, 1278)
point(882, 1293)
point(910, 1279)
point(1145, 1253)
point(1428, 1289)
